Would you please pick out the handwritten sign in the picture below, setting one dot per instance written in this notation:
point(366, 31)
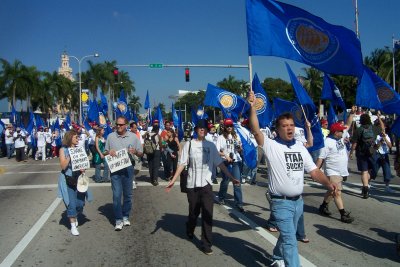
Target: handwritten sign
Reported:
point(79, 159)
point(119, 162)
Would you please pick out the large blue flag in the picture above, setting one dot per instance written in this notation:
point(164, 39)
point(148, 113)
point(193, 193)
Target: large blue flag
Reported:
point(262, 105)
point(282, 30)
point(147, 101)
point(122, 106)
point(193, 115)
point(134, 117)
point(375, 93)
point(249, 149)
point(395, 129)
point(234, 105)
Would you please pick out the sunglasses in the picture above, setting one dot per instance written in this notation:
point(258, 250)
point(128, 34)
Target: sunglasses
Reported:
point(118, 124)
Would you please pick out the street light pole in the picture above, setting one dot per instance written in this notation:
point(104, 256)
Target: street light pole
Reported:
point(80, 82)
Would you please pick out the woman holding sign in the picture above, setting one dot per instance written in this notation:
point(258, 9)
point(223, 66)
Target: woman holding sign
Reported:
point(67, 182)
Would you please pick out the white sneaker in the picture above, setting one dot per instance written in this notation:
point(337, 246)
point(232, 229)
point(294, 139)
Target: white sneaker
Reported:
point(76, 223)
point(74, 231)
point(118, 226)
point(126, 222)
point(389, 190)
point(134, 185)
point(278, 263)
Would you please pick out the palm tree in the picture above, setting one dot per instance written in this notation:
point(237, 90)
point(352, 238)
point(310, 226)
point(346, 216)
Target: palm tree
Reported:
point(134, 103)
point(313, 81)
point(12, 78)
point(238, 87)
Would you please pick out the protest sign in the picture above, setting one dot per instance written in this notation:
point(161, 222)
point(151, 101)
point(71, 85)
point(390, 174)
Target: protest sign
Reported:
point(119, 162)
point(79, 159)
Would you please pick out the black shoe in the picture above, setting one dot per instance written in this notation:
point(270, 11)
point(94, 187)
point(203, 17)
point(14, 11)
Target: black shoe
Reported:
point(189, 233)
point(240, 208)
point(324, 210)
point(207, 251)
point(346, 218)
point(215, 182)
point(155, 183)
point(365, 192)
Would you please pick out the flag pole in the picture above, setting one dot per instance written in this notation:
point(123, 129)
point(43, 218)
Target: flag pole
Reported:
point(394, 64)
point(251, 74)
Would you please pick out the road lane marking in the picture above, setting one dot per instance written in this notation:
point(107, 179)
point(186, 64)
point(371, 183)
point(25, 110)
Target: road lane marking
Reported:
point(20, 247)
point(263, 233)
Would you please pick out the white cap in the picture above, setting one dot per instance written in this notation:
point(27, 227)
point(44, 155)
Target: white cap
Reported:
point(83, 183)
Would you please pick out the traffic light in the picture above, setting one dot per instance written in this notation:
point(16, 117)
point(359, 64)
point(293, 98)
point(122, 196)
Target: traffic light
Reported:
point(115, 73)
point(187, 73)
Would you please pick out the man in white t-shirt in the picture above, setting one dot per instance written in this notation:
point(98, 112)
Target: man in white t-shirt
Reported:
point(19, 143)
point(336, 161)
point(287, 161)
point(41, 144)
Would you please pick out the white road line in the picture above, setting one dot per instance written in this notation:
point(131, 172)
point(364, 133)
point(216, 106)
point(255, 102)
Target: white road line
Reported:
point(19, 248)
point(264, 233)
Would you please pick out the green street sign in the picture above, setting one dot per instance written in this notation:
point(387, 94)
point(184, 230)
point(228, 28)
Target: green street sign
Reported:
point(156, 66)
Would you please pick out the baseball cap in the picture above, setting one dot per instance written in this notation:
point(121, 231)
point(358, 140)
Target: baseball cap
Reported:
point(228, 122)
point(337, 127)
point(323, 121)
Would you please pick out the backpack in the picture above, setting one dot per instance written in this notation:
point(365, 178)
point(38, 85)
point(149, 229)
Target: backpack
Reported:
point(367, 142)
point(149, 145)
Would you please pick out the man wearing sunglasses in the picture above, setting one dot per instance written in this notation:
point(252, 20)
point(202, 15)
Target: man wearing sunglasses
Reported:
point(121, 181)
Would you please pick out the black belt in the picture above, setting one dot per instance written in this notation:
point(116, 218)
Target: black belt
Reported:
point(285, 197)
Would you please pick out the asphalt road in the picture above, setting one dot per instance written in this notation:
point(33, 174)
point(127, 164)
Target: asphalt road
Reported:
point(34, 230)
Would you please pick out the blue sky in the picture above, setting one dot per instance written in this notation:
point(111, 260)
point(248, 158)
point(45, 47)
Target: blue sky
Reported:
point(169, 32)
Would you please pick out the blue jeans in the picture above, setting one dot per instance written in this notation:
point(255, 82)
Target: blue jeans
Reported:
point(10, 150)
point(76, 202)
point(287, 214)
point(234, 169)
point(300, 233)
point(249, 174)
point(97, 172)
point(382, 161)
point(121, 185)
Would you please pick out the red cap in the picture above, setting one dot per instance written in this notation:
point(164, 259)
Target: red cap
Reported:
point(210, 125)
point(155, 121)
point(228, 122)
point(323, 121)
point(337, 127)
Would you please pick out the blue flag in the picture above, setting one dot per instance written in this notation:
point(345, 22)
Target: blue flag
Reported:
point(375, 93)
point(13, 118)
point(262, 106)
point(104, 105)
point(94, 111)
point(234, 105)
point(194, 116)
point(249, 149)
point(300, 92)
point(175, 119)
point(282, 30)
point(147, 101)
point(158, 116)
point(396, 44)
point(39, 121)
point(179, 125)
point(31, 123)
point(122, 106)
point(67, 122)
point(331, 92)
point(134, 117)
point(332, 117)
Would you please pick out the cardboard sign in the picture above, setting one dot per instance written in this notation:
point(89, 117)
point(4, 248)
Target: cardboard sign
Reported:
point(119, 162)
point(79, 159)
